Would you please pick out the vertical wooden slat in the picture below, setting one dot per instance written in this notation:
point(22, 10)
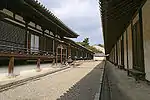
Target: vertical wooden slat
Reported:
point(54, 45)
point(56, 56)
point(26, 37)
point(43, 40)
point(61, 53)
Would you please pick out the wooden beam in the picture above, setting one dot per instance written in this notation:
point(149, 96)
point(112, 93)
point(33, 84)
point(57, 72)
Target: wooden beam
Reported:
point(25, 56)
point(11, 66)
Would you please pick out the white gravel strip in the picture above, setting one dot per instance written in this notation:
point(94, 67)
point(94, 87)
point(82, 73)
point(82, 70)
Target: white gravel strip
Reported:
point(50, 87)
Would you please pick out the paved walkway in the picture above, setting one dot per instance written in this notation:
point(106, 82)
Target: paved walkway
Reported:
point(26, 71)
point(118, 86)
point(79, 83)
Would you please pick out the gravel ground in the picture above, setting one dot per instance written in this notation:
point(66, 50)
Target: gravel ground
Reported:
point(80, 83)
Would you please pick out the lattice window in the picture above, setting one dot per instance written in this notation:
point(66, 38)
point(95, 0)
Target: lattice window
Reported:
point(11, 35)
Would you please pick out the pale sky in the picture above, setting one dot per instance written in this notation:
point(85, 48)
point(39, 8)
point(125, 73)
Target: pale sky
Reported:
point(82, 16)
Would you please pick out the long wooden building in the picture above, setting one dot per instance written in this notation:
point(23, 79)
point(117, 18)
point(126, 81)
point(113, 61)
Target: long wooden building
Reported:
point(29, 31)
point(126, 27)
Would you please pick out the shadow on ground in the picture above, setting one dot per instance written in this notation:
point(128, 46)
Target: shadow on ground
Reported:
point(86, 88)
point(110, 87)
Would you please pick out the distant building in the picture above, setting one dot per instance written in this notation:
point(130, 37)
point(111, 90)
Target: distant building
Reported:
point(99, 48)
point(98, 56)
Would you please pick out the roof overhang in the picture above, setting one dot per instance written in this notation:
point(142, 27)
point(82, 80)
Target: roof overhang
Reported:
point(116, 16)
point(32, 10)
point(74, 44)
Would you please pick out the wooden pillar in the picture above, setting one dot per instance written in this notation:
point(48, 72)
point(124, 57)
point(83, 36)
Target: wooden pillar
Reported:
point(11, 66)
point(61, 57)
point(66, 55)
point(55, 52)
point(54, 45)
point(56, 56)
point(44, 39)
point(38, 64)
point(127, 52)
point(54, 48)
point(27, 41)
point(116, 53)
point(69, 50)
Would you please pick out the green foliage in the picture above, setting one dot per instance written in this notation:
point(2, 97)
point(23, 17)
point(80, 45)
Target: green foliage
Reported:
point(94, 49)
point(101, 45)
point(86, 44)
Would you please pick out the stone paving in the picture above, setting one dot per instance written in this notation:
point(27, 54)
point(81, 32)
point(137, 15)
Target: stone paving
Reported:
point(119, 86)
point(79, 83)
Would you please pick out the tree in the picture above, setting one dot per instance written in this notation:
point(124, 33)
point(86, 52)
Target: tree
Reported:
point(86, 44)
point(101, 45)
point(94, 49)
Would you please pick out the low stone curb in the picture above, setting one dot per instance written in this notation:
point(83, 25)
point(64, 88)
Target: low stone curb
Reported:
point(24, 81)
point(97, 96)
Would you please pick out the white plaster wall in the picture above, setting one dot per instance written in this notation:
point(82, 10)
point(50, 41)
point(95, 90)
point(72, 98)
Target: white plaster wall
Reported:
point(136, 18)
point(119, 53)
point(10, 20)
point(19, 18)
point(34, 43)
point(146, 37)
point(31, 24)
point(47, 31)
point(98, 58)
point(7, 12)
point(125, 51)
point(115, 53)
point(130, 57)
point(39, 27)
point(120, 49)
